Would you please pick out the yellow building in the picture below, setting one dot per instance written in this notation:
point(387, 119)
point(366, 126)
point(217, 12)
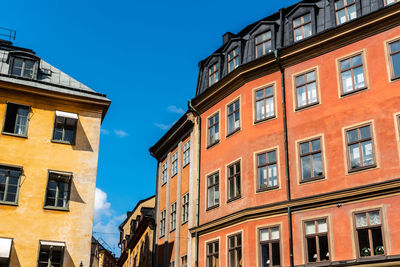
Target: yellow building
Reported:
point(49, 146)
point(137, 235)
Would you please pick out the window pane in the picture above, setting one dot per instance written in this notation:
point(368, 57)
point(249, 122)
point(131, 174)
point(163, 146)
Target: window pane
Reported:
point(311, 76)
point(310, 228)
point(216, 195)
point(345, 64)
point(304, 148)
point(368, 157)
point(317, 165)
point(265, 257)
point(297, 22)
point(365, 132)
point(396, 65)
point(270, 107)
point(307, 30)
point(301, 96)
point(272, 174)
point(264, 235)
point(269, 91)
point(262, 174)
point(374, 218)
point(276, 255)
point(272, 156)
point(300, 80)
point(298, 35)
point(259, 94)
point(352, 12)
point(262, 159)
point(312, 93)
point(352, 136)
point(274, 233)
point(355, 160)
point(347, 81)
point(323, 248)
point(316, 145)
point(210, 197)
point(341, 16)
point(312, 249)
point(339, 4)
point(361, 220)
point(363, 243)
point(259, 50)
point(305, 167)
point(395, 47)
point(322, 226)
point(377, 242)
point(359, 77)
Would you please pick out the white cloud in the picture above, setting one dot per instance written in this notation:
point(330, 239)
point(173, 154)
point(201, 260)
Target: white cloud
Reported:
point(163, 126)
point(104, 131)
point(175, 109)
point(121, 133)
point(101, 206)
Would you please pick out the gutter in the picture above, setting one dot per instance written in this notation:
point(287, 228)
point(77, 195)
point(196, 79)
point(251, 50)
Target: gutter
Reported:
point(155, 247)
point(285, 131)
point(196, 113)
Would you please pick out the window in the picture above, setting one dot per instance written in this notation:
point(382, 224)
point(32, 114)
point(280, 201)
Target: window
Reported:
point(394, 49)
point(185, 208)
point(306, 89)
point(234, 181)
point(302, 27)
point(51, 254)
point(58, 189)
point(263, 43)
point(213, 254)
point(162, 223)
point(184, 261)
point(16, 119)
point(164, 172)
point(9, 184)
point(352, 74)
point(65, 127)
point(360, 148)
point(23, 67)
point(213, 190)
point(389, 2)
point(233, 59)
point(173, 217)
point(269, 247)
point(235, 251)
point(174, 163)
point(213, 129)
point(213, 74)
point(265, 103)
point(267, 172)
point(369, 233)
point(186, 153)
point(311, 160)
point(172, 264)
point(317, 247)
point(233, 117)
point(345, 11)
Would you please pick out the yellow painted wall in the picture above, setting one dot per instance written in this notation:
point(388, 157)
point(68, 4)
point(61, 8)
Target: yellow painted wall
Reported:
point(28, 222)
point(136, 251)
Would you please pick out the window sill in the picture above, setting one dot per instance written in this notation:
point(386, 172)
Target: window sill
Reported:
point(264, 120)
point(264, 189)
point(62, 142)
point(173, 175)
point(233, 199)
point(15, 135)
point(354, 170)
point(212, 207)
point(184, 223)
point(233, 132)
point(371, 258)
point(356, 91)
point(163, 184)
point(393, 79)
point(161, 236)
point(213, 144)
point(15, 204)
point(55, 208)
point(307, 106)
point(184, 166)
point(320, 263)
point(172, 230)
point(313, 179)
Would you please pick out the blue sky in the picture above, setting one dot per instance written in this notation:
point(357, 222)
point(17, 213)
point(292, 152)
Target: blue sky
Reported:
point(144, 56)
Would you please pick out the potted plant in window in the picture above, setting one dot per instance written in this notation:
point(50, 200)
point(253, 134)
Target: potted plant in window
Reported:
point(365, 252)
point(379, 250)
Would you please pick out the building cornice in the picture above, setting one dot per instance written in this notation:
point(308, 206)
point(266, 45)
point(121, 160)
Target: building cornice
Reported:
point(327, 41)
point(365, 192)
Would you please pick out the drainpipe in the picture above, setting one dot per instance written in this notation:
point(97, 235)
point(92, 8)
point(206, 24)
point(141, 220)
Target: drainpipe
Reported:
point(285, 131)
point(196, 113)
point(154, 258)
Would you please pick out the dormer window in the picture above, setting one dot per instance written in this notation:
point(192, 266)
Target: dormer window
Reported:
point(233, 59)
point(213, 74)
point(389, 2)
point(345, 11)
point(23, 67)
point(263, 44)
point(302, 27)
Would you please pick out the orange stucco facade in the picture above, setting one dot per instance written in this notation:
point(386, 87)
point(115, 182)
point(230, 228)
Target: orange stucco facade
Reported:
point(334, 197)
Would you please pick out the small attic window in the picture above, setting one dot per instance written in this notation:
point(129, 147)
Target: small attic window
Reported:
point(23, 67)
point(302, 27)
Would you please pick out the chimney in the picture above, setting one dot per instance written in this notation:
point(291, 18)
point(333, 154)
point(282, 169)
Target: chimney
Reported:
point(227, 37)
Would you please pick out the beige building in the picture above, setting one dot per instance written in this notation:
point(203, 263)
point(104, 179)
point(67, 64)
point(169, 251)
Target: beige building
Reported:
point(49, 145)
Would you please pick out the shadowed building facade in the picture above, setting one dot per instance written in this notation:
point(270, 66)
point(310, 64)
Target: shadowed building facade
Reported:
point(49, 146)
point(300, 155)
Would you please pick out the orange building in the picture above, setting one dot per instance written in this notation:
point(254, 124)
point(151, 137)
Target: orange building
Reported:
point(300, 147)
point(176, 193)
